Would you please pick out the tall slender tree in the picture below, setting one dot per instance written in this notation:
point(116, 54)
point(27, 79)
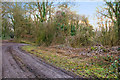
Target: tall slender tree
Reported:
point(113, 13)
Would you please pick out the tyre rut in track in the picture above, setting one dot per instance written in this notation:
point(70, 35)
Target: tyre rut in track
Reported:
point(37, 67)
point(11, 68)
point(23, 66)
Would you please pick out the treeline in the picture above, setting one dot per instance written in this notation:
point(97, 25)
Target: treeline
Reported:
point(41, 23)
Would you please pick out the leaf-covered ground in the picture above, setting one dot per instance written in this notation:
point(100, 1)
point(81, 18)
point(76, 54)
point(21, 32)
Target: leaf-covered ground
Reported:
point(99, 65)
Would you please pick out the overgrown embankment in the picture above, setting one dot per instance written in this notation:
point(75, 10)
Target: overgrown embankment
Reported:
point(89, 62)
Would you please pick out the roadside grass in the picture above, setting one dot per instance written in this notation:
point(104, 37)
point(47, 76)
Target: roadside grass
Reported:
point(27, 42)
point(0, 38)
point(5, 38)
point(81, 65)
point(24, 41)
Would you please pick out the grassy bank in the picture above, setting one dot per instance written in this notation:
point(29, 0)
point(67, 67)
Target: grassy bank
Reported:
point(94, 66)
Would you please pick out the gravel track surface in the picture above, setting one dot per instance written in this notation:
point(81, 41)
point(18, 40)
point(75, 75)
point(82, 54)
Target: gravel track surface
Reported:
point(19, 64)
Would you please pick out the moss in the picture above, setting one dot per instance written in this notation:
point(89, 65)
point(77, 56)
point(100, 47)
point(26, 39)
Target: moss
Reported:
point(94, 48)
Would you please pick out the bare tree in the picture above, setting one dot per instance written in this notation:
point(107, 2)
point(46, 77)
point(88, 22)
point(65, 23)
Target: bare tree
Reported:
point(113, 13)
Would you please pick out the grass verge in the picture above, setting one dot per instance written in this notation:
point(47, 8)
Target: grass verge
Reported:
point(94, 67)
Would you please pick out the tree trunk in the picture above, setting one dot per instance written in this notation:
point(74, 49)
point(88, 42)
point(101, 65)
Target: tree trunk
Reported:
point(119, 27)
point(119, 32)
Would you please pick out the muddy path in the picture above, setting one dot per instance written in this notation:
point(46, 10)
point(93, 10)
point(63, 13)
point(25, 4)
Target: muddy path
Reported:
point(19, 64)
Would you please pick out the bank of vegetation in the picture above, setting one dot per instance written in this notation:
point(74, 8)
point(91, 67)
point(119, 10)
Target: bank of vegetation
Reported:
point(45, 24)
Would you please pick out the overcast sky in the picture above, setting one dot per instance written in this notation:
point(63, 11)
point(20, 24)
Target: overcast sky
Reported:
point(88, 9)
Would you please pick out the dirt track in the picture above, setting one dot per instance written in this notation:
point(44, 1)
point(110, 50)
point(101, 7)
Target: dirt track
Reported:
point(18, 64)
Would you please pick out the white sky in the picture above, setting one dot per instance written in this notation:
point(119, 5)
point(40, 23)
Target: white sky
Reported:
point(88, 9)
